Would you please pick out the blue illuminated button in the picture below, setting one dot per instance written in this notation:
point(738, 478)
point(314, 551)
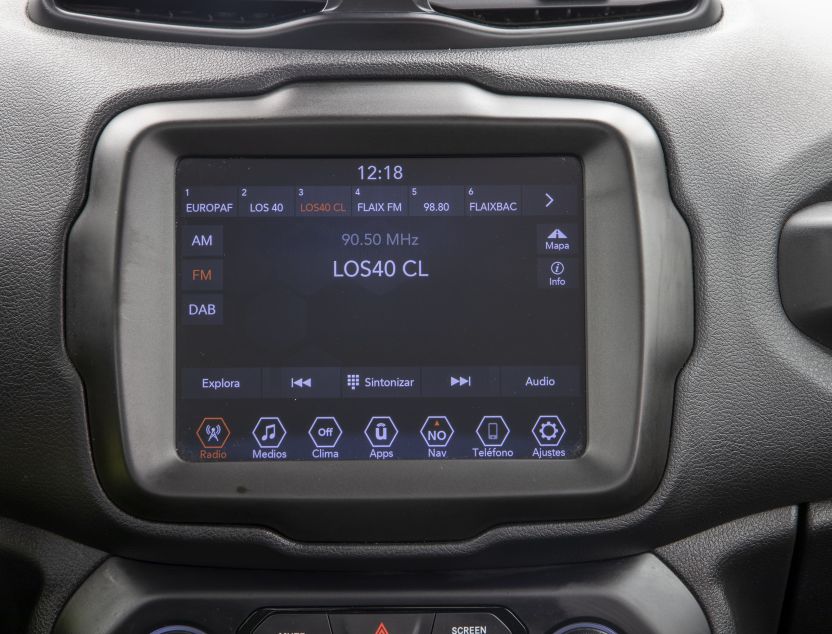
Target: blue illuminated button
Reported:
point(437, 431)
point(201, 240)
point(381, 431)
point(493, 431)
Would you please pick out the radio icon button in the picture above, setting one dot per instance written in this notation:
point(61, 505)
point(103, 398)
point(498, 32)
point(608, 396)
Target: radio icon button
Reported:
point(325, 432)
point(213, 433)
point(437, 431)
point(493, 431)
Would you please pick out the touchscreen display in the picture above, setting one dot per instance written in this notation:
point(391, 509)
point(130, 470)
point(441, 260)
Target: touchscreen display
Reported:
point(380, 309)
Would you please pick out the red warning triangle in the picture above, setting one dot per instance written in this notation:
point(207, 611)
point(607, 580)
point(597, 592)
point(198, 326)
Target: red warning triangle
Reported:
point(382, 629)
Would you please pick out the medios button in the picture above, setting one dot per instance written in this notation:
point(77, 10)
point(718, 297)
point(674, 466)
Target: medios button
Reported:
point(469, 623)
point(294, 624)
point(381, 623)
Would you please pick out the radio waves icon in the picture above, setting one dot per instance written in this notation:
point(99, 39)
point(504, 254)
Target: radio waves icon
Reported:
point(213, 432)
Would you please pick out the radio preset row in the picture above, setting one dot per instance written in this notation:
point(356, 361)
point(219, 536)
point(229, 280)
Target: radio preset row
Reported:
point(414, 308)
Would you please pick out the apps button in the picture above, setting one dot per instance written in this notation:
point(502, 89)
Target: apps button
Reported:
point(381, 431)
point(325, 432)
point(493, 431)
point(269, 432)
point(437, 431)
point(549, 431)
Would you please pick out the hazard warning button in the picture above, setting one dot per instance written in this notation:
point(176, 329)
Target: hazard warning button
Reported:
point(382, 623)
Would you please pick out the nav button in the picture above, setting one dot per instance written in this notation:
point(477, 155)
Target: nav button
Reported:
point(294, 624)
point(469, 623)
point(381, 623)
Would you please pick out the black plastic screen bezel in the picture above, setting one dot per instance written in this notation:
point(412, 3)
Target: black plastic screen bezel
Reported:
point(121, 303)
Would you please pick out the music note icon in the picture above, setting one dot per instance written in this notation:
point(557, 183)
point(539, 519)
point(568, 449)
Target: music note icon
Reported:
point(269, 432)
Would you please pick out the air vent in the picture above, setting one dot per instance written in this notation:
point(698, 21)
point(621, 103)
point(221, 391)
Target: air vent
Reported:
point(552, 13)
point(239, 14)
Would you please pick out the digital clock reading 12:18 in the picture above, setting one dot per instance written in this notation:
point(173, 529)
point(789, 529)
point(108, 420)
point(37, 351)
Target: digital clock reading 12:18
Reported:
point(381, 172)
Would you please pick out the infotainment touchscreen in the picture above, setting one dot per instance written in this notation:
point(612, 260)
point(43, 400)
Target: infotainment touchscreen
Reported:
point(380, 309)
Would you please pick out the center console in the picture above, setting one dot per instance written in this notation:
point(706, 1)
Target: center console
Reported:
point(379, 311)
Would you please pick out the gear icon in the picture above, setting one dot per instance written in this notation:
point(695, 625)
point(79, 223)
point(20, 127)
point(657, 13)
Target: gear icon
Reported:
point(549, 431)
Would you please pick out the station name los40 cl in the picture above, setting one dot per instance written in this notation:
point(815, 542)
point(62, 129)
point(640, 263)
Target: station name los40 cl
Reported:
point(379, 268)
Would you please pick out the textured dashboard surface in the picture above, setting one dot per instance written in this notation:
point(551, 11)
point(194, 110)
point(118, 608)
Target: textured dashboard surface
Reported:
point(742, 109)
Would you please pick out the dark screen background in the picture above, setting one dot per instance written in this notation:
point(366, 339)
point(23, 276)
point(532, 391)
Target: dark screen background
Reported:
point(483, 303)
